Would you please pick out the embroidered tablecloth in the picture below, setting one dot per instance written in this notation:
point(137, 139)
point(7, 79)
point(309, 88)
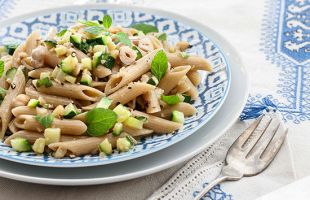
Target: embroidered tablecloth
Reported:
point(273, 39)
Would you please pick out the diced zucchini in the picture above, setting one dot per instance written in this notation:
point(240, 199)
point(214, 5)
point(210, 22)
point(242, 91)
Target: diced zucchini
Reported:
point(177, 116)
point(59, 111)
point(153, 81)
point(11, 47)
point(20, 144)
point(39, 145)
point(65, 38)
point(76, 40)
point(45, 74)
point(131, 139)
point(61, 50)
point(86, 63)
point(105, 102)
point(70, 79)
point(139, 54)
point(181, 97)
point(133, 123)
point(52, 135)
point(108, 61)
point(86, 78)
point(44, 82)
point(61, 76)
point(101, 48)
point(96, 59)
point(2, 93)
point(70, 111)
point(187, 98)
point(123, 144)
point(142, 118)
point(117, 129)
point(55, 72)
point(69, 64)
point(95, 41)
point(108, 41)
point(33, 103)
point(122, 113)
point(50, 43)
point(10, 74)
point(105, 147)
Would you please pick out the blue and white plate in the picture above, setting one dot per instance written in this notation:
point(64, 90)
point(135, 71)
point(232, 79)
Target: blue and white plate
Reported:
point(212, 90)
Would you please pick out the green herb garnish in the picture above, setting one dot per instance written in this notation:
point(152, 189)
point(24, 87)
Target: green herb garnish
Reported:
point(45, 120)
point(45, 81)
point(159, 64)
point(99, 121)
point(61, 33)
point(171, 99)
point(123, 38)
point(105, 102)
point(139, 54)
point(50, 43)
point(145, 28)
point(1, 67)
point(162, 37)
point(107, 21)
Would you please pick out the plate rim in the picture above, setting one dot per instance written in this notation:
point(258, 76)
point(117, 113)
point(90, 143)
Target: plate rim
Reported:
point(162, 13)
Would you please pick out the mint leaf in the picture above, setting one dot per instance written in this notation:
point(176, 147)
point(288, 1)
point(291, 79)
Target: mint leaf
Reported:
point(107, 21)
point(45, 120)
point(45, 81)
point(171, 99)
point(95, 30)
point(139, 54)
point(145, 28)
point(159, 64)
point(99, 121)
point(1, 67)
point(89, 23)
point(162, 37)
point(105, 102)
point(123, 38)
point(61, 33)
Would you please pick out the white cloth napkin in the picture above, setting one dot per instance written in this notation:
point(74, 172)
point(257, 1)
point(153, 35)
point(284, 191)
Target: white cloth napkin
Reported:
point(273, 40)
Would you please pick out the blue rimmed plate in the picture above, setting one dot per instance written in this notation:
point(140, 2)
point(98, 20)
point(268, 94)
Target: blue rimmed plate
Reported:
point(212, 90)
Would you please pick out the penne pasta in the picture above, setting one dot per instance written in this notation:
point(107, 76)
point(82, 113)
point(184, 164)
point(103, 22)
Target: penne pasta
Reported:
point(182, 87)
point(31, 136)
point(12, 127)
point(173, 77)
point(99, 85)
point(198, 63)
point(130, 73)
point(192, 92)
point(186, 108)
point(152, 102)
point(137, 132)
point(101, 72)
point(17, 87)
point(50, 99)
point(68, 127)
point(194, 77)
point(23, 110)
point(132, 91)
point(158, 124)
point(81, 92)
point(37, 72)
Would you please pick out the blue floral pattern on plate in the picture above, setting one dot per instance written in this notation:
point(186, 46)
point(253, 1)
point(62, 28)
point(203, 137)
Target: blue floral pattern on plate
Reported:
point(212, 90)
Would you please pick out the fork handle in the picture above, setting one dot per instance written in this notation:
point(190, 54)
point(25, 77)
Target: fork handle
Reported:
point(227, 174)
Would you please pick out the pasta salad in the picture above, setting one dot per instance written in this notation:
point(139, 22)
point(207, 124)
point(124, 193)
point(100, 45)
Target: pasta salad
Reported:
point(95, 88)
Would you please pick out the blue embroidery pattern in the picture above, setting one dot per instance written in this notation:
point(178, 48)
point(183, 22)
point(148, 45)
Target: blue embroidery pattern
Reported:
point(216, 193)
point(286, 43)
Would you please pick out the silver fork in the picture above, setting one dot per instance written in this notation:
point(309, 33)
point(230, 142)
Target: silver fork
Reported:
point(253, 151)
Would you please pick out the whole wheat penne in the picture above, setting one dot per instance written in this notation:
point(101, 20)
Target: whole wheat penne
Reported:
point(173, 77)
point(130, 92)
point(186, 108)
point(81, 92)
point(67, 126)
point(193, 92)
point(182, 87)
point(31, 136)
point(152, 102)
point(32, 42)
point(17, 87)
point(23, 110)
point(157, 124)
point(17, 55)
point(36, 72)
point(130, 73)
point(81, 117)
point(12, 127)
point(137, 132)
point(82, 146)
point(50, 99)
point(99, 85)
point(194, 77)
point(7, 65)
point(199, 63)
point(101, 72)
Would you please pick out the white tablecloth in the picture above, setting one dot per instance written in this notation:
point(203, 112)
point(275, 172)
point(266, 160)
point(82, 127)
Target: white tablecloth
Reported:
point(273, 40)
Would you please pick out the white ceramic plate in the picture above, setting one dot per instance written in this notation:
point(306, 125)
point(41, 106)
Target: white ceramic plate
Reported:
point(155, 162)
point(212, 90)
